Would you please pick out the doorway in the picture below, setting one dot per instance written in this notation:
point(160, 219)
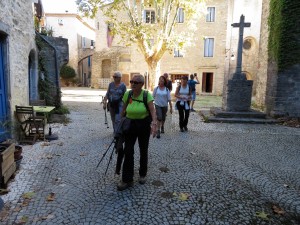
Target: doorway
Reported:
point(3, 94)
point(207, 82)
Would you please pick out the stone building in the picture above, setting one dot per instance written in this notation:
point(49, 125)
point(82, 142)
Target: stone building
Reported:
point(209, 65)
point(20, 68)
point(250, 9)
point(278, 86)
point(66, 23)
point(18, 56)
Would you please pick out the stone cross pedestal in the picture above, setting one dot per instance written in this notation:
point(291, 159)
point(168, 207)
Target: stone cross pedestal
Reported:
point(239, 89)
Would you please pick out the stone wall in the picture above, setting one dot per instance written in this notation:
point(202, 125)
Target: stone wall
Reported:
point(53, 54)
point(17, 27)
point(261, 77)
point(283, 84)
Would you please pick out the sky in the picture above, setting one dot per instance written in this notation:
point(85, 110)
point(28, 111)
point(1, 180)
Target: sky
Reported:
point(59, 6)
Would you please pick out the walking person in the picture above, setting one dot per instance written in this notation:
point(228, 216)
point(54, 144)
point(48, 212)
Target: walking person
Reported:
point(192, 83)
point(140, 113)
point(114, 94)
point(162, 98)
point(183, 95)
point(169, 84)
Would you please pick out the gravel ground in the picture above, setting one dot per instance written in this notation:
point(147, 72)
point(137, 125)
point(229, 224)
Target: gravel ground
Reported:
point(214, 174)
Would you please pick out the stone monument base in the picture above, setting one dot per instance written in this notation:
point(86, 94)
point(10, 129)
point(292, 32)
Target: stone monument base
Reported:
point(239, 93)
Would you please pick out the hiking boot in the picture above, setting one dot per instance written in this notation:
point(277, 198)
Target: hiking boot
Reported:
point(185, 128)
point(181, 130)
point(123, 186)
point(158, 134)
point(142, 180)
point(162, 130)
point(193, 110)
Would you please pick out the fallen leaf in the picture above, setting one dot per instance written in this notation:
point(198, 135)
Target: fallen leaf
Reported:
point(83, 154)
point(285, 185)
point(45, 144)
point(51, 197)
point(49, 157)
point(262, 215)
point(23, 220)
point(28, 195)
point(58, 154)
point(278, 210)
point(184, 196)
point(60, 144)
point(17, 209)
point(50, 216)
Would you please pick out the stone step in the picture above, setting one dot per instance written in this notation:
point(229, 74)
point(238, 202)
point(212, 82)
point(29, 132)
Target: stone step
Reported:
point(250, 114)
point(241, 120)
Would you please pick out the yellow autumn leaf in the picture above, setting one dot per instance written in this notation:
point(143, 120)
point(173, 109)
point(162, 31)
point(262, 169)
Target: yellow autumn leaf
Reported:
point(262, 215)
point(28, 195)
point(184, 196)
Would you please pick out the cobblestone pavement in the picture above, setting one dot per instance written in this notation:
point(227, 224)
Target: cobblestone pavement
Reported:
point(214, 174)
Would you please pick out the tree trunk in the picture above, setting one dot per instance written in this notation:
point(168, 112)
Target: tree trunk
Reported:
point(153, 73)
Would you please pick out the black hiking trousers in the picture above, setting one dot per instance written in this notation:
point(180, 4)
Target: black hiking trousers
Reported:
point(139, 130)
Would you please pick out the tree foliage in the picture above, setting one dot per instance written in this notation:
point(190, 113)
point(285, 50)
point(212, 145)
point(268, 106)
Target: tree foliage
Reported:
point(152, 39)
point(67, 72)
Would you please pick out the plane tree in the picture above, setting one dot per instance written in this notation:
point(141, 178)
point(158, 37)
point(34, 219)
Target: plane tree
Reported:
point(151, 25)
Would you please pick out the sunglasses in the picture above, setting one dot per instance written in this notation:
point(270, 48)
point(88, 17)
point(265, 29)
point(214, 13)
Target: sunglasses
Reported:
point(135, 82)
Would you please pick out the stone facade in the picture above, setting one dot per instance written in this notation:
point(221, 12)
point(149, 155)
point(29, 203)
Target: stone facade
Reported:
point(262, 65)
point(19, 51)
point(250, 9)
point(54, 53)
point(278, 91)
point(129, 61)
point(80, 36)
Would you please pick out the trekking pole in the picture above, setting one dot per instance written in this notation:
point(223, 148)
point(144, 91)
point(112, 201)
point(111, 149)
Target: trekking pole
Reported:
point(104, 154)
point(105, 121)
point(110, 158)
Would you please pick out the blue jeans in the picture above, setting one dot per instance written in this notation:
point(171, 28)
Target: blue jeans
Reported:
point(193, 95)
point(116, 117)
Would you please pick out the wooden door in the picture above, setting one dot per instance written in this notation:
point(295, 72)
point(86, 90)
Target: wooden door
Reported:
point(3, 96)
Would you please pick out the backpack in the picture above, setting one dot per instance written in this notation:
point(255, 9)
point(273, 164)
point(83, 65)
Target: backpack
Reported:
point(155, 90)
point(190, 89)
point(169, 85)
point(145, 95)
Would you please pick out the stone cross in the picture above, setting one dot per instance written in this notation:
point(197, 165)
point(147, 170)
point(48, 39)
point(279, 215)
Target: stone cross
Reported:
point(241, 25)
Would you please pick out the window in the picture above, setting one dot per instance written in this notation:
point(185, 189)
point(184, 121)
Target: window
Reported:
point(177, 53)
point(210, 16)
point(180, 16)
point(208, 47)
point(149, 16)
